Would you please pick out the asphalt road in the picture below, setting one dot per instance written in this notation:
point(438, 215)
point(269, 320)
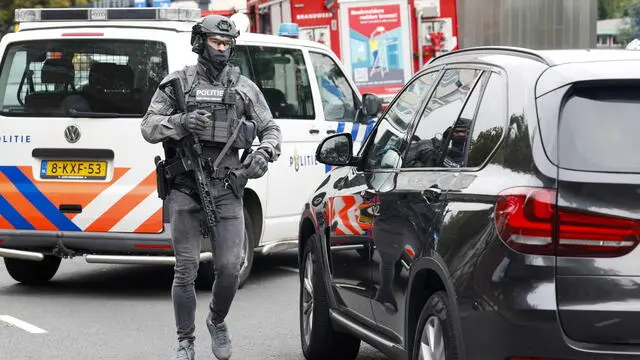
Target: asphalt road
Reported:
point(124, 312)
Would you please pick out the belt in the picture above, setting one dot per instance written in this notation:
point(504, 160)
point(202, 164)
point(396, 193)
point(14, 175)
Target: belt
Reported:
point(177, 167)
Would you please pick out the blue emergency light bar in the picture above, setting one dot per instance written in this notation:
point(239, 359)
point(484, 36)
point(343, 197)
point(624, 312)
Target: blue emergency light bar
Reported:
point(289, 30)
point(102, 14)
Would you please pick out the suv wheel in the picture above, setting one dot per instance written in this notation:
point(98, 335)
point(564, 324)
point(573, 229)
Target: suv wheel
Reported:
point(319, 339)
point(206, 272)
point(33, 272)
point(434, 338)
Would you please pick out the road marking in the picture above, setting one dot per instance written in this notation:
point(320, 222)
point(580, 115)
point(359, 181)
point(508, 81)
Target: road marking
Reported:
point(22, 324)
point(294, 270)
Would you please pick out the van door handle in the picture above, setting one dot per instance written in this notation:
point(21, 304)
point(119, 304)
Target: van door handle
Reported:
point(431, 195)
point(314, 131)
point(331, 131)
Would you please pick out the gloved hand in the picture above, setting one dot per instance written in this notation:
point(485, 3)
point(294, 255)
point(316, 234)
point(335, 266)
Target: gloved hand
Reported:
point(256, 164)
point(196, 121)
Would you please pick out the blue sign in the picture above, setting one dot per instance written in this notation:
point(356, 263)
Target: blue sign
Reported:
point(161, 3)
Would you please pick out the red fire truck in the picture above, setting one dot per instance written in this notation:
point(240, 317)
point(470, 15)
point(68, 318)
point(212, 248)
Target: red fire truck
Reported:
point(381, 42)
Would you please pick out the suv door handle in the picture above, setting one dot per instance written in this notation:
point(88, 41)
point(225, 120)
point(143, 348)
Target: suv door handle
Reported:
point(331, 131)
point(431, 195)
point(314, 131)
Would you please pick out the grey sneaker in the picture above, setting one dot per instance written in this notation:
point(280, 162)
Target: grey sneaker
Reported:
point(220, 339)
point(184, 351)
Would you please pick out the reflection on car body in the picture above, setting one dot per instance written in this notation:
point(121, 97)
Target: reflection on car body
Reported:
point(493, 205)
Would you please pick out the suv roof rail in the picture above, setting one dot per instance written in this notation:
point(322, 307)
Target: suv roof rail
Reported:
point(513, 50)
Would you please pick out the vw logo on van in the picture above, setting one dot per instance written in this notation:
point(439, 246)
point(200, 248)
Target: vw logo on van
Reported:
point(72, 134)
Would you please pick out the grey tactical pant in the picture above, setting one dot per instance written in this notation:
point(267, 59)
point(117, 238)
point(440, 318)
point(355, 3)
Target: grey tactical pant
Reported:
point(186, 217)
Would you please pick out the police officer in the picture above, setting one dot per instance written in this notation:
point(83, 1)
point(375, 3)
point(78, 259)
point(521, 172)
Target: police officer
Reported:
point(219, 101)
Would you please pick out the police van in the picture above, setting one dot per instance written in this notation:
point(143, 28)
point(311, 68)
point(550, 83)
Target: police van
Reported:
point(78, 179)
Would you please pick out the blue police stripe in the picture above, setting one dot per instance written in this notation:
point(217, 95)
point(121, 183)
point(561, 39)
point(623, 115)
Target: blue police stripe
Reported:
point(44, 205)
point(369, 128)
point(340, 127)
point(13, 216)
point(354, 131)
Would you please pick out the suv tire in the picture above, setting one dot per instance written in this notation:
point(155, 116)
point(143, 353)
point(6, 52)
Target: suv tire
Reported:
point(319, 339)
point(31, 272)
point(206, 272)
point(435, 320)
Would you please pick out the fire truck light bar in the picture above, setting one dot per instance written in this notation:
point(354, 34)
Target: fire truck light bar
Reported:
point(102, 14)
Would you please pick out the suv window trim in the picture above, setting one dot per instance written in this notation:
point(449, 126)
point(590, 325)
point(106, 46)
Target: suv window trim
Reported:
point(490, 70)
point(414, 124)
point(505, 122)
point(439, 70)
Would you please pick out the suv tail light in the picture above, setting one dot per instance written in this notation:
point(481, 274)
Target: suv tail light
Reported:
point(525, 220)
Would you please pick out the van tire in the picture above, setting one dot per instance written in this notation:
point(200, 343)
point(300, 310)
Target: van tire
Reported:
point(206, 273)
point(31, 272)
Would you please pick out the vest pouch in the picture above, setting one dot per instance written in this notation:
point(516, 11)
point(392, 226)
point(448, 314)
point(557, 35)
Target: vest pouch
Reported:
point(246, 134)
point(221, 129)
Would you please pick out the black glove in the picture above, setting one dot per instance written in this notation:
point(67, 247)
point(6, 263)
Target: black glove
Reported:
point(256, 164)
point(196, 121)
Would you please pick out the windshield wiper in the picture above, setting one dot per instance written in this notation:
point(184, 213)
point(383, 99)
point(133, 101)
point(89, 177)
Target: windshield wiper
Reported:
point(93, 114)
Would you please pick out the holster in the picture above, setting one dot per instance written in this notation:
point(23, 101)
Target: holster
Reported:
point(162, 182)
point(237, 180)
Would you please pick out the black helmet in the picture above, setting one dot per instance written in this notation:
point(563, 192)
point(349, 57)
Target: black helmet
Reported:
point(211, 24)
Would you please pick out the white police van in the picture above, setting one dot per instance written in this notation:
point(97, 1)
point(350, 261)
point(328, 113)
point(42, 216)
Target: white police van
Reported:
point(76, 176)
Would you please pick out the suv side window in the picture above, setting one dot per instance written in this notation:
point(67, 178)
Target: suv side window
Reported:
point(388, 140)
point(281, 74)
point(339, 100)
point(490, 121)
point(439, 121)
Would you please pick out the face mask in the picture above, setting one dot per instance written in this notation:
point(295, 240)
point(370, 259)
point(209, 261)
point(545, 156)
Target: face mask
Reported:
point(217, 58)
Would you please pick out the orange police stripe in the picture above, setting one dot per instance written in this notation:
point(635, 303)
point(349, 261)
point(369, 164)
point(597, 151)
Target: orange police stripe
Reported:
point(152, 225)
point(127, 203)
point(72, 192)
point(4, 224)
point(23, 206)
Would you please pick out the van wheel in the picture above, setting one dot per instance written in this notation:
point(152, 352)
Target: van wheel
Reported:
point(33, 272)
point(318, 337)
point(434, 337)
point(206, 272)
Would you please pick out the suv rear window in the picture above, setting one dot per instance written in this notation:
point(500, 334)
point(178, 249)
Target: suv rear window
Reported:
point(598, 128)
point(81, 77)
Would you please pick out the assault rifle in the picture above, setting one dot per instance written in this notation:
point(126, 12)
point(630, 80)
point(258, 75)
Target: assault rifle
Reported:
point(190, 152)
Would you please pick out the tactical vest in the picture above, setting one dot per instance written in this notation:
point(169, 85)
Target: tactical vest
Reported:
point(220, 102)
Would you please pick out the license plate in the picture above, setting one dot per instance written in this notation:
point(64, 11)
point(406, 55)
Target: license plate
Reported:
point(73, 169)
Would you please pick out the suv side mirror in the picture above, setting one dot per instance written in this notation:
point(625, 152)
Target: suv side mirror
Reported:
point(335, 149)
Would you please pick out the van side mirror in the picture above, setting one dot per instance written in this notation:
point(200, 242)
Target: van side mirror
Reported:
point(371, 105)
point(371, 108)
point(335, 150)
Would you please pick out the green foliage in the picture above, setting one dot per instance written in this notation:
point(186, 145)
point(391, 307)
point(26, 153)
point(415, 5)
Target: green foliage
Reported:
point(8, 9)
point(613, 9)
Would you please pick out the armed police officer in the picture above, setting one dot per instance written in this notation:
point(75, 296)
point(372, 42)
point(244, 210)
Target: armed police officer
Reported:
point(218, 112)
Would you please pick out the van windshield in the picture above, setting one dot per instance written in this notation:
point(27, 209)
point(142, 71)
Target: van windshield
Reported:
point(81, 77)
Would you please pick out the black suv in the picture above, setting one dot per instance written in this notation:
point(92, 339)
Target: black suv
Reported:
point(493, 213)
